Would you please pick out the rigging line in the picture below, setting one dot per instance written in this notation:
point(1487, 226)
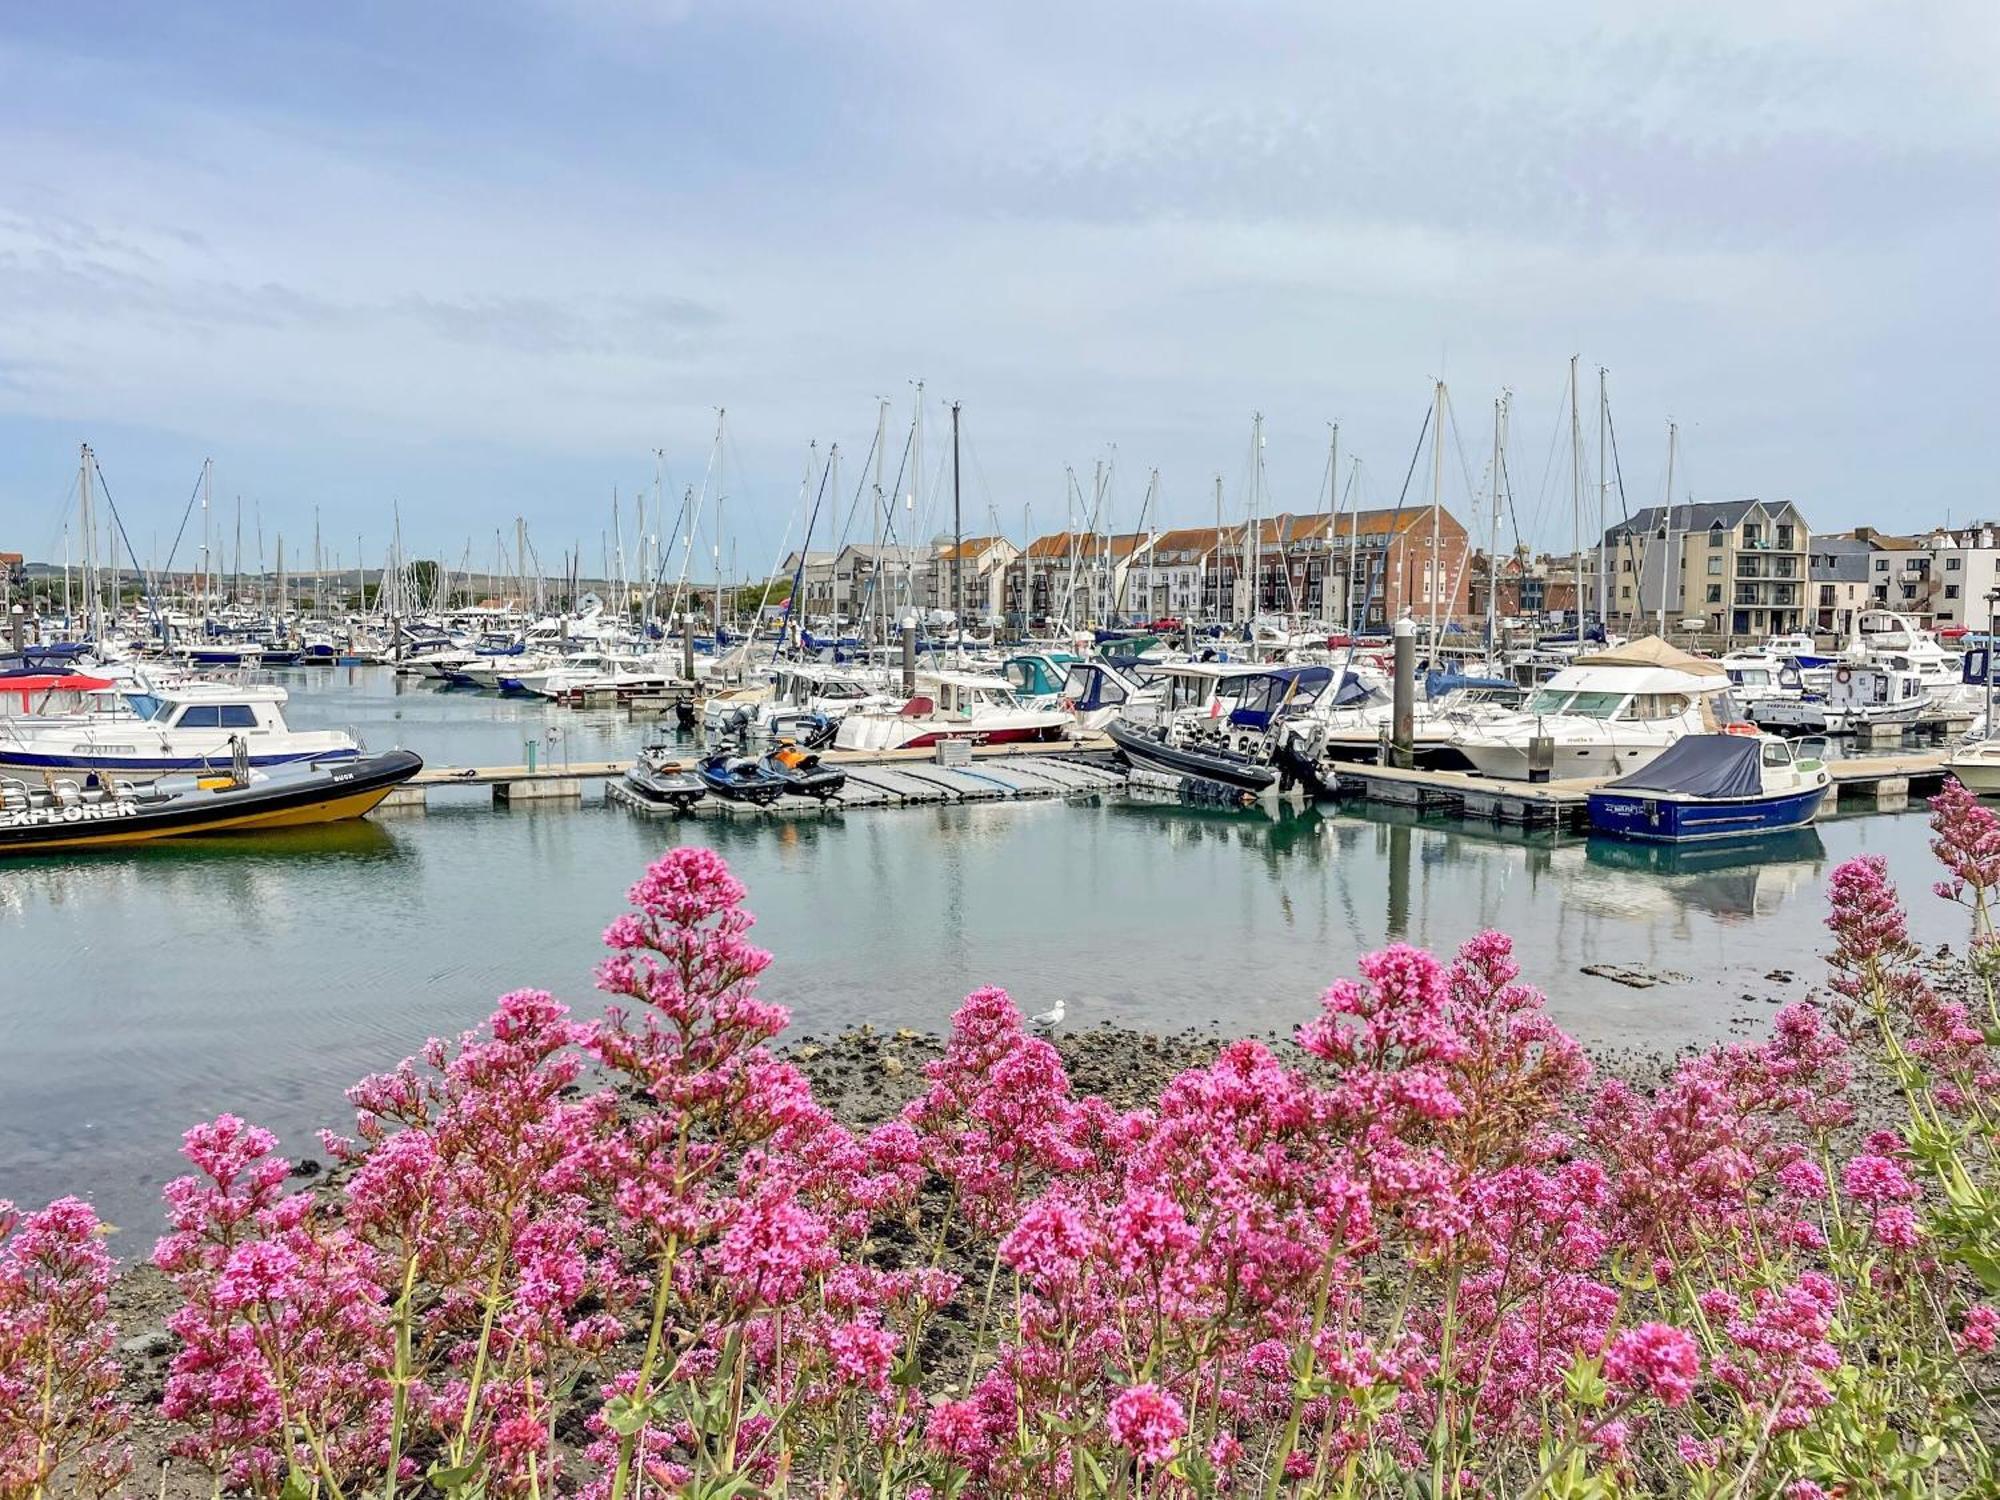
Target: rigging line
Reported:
point(130, 551)
point(193, 495)
point(888, 520)
point(1394, 516)
point(798, 578)
point(861, 484)
point(1549, 465)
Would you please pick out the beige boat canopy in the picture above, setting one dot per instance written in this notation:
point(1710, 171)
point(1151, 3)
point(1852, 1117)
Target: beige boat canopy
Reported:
point(1651, 651)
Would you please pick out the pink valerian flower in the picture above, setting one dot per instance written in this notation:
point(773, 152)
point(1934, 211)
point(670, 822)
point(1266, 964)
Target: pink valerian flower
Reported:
point(1980, 1332)
point(1146, 1422)
point(1781, 1353)
point(1653, 1358)
point(772, 1250)
point(998, 1116)
point(1896, 1228)
point(1051, 1244)
point(60, 1408)
point(1876, 1180)
point(1966, 841)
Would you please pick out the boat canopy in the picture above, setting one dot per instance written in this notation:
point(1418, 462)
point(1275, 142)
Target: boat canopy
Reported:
point(1701, 765)
point(1651, 651)
point(1275, 691)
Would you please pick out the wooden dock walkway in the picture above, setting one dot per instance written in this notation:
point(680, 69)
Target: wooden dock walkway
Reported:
point(899, 776)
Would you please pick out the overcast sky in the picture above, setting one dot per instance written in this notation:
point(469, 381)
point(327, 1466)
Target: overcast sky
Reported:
point(480, 259)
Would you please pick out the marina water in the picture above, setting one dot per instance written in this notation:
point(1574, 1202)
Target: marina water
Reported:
point(143, 991)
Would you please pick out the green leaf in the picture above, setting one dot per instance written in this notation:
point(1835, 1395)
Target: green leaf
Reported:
point(297, 1485)
point(444, 1478)
point(624, 1416)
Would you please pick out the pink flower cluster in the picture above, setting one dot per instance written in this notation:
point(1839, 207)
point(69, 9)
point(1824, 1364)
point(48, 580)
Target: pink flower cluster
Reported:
point(638, 1255)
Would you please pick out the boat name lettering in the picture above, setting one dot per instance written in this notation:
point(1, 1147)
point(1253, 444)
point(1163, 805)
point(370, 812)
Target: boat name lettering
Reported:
point(42, 817)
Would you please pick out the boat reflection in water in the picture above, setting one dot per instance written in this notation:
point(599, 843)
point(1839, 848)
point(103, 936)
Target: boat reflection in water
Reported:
point(1741, 878)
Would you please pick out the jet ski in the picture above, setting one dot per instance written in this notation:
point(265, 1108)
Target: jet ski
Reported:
point(740, 778)
point(660, 777)
point(801, 771)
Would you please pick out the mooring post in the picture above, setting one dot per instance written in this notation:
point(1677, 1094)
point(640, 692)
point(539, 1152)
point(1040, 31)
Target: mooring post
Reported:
point(1405, 702)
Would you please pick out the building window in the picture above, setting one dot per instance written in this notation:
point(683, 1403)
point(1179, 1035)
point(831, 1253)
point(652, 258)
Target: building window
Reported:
point(1715, 536)
point(1951, 565)
point(1784, 538)
point(1881, 564)
point(1715, 593)
point(1715, 567)
point(1951, 591)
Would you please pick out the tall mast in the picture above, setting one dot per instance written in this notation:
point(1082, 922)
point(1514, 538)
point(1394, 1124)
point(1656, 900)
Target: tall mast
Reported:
point(319, 570)
point(910, 502)
point(1434, 567)
point(1332, 504)
point(1353, 589)
point(1666, 557)
point(207, 587)
point(957, 537)
point(1216, 552)
point(1254, 537)
point(874, 634)
point(1603, 480)
point(1493, 559)
point(1576, 499)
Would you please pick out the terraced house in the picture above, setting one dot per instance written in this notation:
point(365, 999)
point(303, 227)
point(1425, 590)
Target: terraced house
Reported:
point(1738, 566)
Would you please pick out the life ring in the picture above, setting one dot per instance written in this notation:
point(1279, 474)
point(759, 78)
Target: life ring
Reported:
point(1843, 675)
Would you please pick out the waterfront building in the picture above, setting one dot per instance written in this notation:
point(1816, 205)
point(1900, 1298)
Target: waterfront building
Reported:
point(1739, 567)
point(1838, 577)
point(1965, 568)
point(982, 562)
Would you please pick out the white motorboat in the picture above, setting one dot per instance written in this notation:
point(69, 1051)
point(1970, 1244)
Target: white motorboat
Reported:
point(1855, 695)
point(950, 706)
point(1605, 714)
point(142, 731)
point(1978, 766)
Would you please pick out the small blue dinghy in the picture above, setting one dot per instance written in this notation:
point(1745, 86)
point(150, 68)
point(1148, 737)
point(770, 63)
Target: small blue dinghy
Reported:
point(1712, 786)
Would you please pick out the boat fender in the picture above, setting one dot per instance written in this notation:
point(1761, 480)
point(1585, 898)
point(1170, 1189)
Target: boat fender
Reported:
point(1749, 730)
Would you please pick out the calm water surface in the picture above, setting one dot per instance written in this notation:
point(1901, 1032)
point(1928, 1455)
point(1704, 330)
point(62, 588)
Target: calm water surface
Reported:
point(140, 992)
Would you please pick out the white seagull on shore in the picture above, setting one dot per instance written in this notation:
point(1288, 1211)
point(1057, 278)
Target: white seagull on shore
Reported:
point(1048, 1020)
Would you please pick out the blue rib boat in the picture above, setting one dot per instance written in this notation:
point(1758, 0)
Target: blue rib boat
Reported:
point(1712, 786)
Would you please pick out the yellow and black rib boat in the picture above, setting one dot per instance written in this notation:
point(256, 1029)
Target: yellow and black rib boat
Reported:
point(63, 814)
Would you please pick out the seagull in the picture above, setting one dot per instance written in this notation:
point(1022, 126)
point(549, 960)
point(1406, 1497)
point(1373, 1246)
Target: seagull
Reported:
point(1048, 1020)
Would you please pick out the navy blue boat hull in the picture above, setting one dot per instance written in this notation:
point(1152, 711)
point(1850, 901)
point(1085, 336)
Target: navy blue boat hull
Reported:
point(1662, 818)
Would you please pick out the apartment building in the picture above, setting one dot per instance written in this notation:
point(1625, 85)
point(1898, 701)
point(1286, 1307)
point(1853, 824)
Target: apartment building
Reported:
point(982, 564)
point(1964, 570)
point(1739, 567)
point(1837, 577)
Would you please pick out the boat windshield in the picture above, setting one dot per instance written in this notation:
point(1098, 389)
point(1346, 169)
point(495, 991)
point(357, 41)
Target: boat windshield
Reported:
point(146, 705)
point(1595, 705)
point(1548, 701)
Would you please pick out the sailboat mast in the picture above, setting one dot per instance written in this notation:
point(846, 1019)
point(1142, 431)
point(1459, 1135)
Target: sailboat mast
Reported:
point(1603, 480)
point(1216, 552)
point(957, 536)
point(1431, 568)
point(1576, 499)
point(1666, 556)
point(1253, 532)
point(1332, 505)
point(1493, 564)
point(874, 633)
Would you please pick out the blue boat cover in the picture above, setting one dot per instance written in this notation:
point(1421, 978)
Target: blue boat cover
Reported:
point(1701, 765)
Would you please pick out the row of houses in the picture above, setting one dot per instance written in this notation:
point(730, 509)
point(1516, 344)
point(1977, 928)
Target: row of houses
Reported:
point(1365, 569)
point(1741, 569)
